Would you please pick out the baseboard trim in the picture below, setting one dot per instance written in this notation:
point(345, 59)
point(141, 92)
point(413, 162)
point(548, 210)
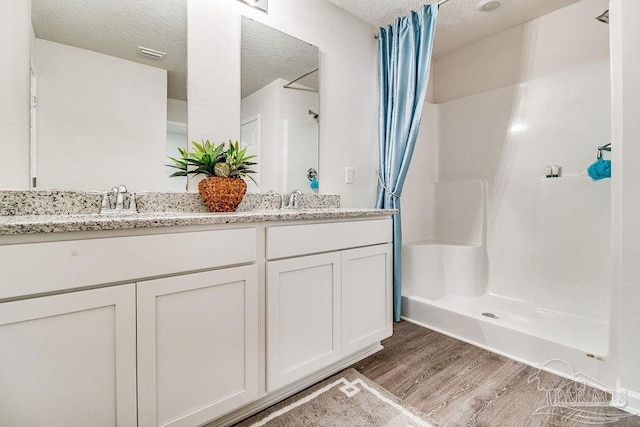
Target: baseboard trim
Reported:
point(632, 404)
point(279, 395)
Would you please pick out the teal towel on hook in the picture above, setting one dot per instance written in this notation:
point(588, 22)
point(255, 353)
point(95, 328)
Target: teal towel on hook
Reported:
point(600, 169)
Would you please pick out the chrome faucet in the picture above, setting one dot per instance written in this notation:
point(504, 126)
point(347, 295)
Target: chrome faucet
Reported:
point(106, 200)
point(113, 201)
point(122, 189)
point(293, 199)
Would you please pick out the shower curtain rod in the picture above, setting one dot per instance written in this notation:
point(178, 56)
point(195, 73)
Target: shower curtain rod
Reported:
point(288, 85)
point(440, 3)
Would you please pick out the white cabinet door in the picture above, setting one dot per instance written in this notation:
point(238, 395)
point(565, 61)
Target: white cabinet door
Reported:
point(366, 297)
point(69, 360)
point(303, 317)
point(197, 346)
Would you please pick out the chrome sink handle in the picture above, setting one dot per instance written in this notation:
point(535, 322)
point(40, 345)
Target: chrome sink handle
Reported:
point(293, 199)
point(119, 192)
point(106, 202)
point(133, 207)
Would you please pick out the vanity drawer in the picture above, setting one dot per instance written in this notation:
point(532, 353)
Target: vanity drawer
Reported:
point(35, 268)
point(295, 240)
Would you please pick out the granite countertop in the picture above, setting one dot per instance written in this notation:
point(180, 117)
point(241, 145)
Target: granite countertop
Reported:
point(28, 224)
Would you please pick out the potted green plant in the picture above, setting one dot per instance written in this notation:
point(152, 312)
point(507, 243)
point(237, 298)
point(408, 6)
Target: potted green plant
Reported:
point(223, 187)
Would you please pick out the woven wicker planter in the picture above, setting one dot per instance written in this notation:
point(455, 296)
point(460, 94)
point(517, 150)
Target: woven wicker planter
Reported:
point(222, 194)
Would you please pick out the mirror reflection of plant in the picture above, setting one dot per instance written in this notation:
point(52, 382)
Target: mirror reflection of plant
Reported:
point(238, 161)
point(210, 160)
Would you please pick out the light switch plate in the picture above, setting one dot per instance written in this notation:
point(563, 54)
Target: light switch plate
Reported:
point(348, 175)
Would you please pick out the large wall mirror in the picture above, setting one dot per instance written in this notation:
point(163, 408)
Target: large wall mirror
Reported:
point(280, 110)
point(107, 112)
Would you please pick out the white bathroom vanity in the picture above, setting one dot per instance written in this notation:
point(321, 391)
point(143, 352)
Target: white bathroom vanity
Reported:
point(184, 319)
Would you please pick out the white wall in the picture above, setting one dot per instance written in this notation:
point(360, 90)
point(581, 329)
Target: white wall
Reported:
point(300, 137)
point(507, 136)
point(625, 34)
point(466, 138)
point(176, 110)
point(567, 38)
point(104, 115)
point(348, 83)
point(288, 135)
point(15, 35)
point(176, 137)
point(265, 104)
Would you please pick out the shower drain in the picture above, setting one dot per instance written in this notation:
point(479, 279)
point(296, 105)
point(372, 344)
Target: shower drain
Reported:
point(490, 315)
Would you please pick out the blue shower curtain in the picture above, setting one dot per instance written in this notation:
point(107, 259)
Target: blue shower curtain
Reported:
point(404, 58)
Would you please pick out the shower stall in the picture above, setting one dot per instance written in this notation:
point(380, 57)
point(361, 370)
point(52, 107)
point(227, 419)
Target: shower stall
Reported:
point(559, 310)
point(505, 254)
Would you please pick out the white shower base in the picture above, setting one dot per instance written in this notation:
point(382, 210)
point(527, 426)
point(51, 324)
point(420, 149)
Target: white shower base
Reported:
point(556, 342)
point(548, 286)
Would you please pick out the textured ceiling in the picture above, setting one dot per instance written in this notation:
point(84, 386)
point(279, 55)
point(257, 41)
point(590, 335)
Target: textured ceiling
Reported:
point(460, 23)
point(117, 28)
point(268, 54)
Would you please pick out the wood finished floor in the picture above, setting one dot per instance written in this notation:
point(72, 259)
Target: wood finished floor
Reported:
point(458, 384)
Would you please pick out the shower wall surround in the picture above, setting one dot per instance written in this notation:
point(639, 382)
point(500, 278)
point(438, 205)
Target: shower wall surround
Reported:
point(509, 134)
point(505, 135)
point(521, 122)
point(625, 65)
point(567, 38)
